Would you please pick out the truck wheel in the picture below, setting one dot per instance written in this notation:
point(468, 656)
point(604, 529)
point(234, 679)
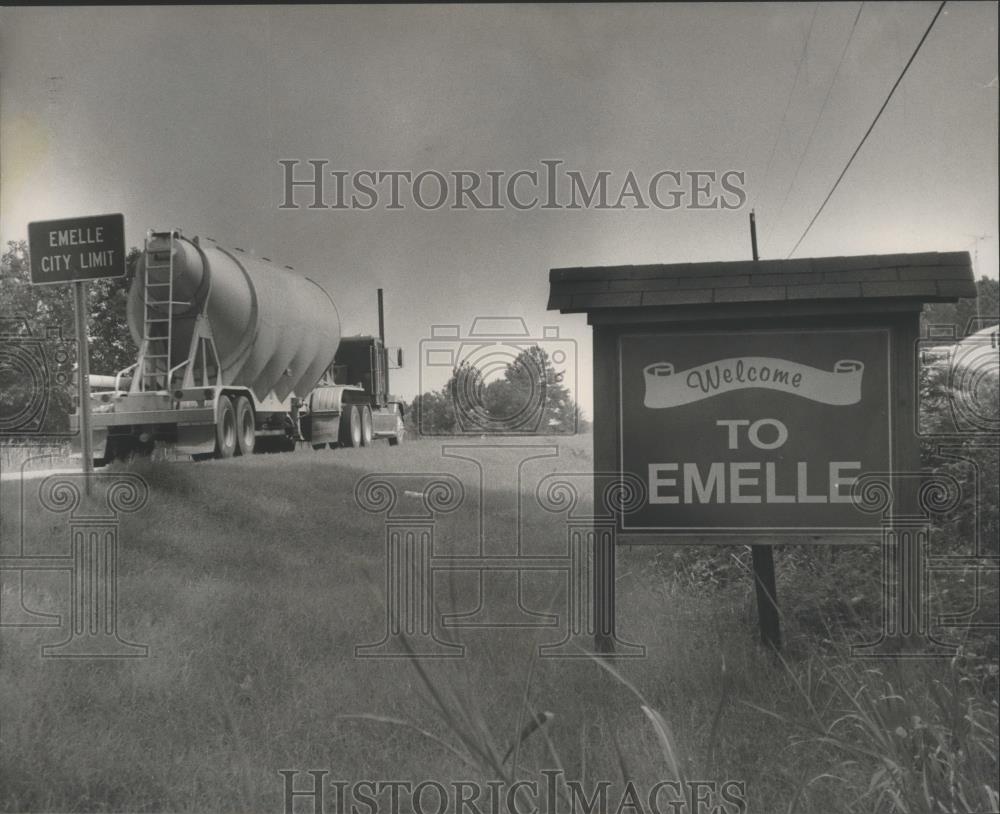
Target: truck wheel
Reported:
point(397, 439)
point(245, 427)
point(225, 429)
point(367, 430)
point(350, 426)
point(118, 449)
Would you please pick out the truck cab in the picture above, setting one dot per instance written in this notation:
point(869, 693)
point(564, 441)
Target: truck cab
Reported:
point(352, 407)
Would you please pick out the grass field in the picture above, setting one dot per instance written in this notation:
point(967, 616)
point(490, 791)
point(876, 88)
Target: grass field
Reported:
point(252, 580)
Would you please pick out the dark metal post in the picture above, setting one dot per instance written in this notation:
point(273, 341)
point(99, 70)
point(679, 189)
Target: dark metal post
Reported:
point(83, 389)
point(605, 460)
point(380, 360)
point(381, 319)
point(762, 556)
point(768, 618)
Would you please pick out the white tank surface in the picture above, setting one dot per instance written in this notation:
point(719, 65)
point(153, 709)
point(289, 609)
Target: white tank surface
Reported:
point(275, 330)
point(979, 352)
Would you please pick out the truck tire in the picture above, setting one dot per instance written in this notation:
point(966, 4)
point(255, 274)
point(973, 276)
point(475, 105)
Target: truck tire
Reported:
point(118, 449)
point(350, 426)
point(246, 436)
point(367, 427)
point(397, 439)
point(225, 429)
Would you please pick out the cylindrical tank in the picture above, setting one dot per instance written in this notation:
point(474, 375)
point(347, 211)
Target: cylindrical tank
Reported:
point(274, 329)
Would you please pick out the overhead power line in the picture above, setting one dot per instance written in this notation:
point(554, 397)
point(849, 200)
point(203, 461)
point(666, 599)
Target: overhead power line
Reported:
point(791, 94)
point(815, 127)
point(871, 127)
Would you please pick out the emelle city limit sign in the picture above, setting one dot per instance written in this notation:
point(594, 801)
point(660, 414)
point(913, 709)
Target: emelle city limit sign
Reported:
point(77, 249)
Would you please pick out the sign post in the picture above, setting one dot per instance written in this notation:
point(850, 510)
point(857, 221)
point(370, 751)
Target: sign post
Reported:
point(83, 382)
point(762, 556)
point(75, 250)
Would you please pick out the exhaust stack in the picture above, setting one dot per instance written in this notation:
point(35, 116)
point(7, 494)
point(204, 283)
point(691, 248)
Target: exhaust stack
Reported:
point(381, 319)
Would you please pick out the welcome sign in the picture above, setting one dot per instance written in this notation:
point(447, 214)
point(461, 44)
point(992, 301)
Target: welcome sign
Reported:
point(753, 431)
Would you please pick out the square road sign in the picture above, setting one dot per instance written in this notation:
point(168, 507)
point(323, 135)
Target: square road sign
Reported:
point(74, 249)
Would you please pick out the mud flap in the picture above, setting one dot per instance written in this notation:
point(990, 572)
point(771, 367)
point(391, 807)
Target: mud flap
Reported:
point(98, 443)
point(195, 439)
point(322, 428)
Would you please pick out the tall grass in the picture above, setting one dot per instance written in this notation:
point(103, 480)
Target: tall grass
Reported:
point(252, 580)
point(908, 739)
point(495, 754)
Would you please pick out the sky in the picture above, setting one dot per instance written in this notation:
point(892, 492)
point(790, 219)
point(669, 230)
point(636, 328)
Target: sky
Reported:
point(179, 116)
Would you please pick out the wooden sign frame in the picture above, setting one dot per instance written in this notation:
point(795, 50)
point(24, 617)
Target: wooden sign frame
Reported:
point(873, 292)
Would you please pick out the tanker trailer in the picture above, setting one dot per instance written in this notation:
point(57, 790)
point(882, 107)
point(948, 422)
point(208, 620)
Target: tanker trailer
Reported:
point(237, 354)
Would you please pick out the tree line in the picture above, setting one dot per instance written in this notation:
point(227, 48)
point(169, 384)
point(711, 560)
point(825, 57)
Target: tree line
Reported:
point(527, 397)
point(37, 384)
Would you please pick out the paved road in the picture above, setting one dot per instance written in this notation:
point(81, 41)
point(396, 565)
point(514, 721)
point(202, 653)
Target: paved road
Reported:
point(15, 473)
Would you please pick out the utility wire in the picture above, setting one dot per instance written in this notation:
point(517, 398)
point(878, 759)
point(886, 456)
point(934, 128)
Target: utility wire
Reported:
point(868, 132)
point(815, 127)
point(791, 94)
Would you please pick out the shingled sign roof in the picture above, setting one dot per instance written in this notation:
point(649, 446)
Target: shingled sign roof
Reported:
point(926, 277)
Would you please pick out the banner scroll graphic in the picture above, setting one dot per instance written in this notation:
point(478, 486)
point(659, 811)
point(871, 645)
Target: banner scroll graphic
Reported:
point(667, 388)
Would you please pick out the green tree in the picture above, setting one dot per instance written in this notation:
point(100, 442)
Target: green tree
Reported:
point(50, 306)
point(529, 398)
point(984, 310)
point(966, 409)
point(36, 389)
point(531, 395)
point(111, 345)
point(36, 328)
point(431, 414)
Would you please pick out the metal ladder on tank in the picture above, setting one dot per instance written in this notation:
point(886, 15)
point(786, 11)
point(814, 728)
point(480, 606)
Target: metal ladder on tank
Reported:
point(157, 329)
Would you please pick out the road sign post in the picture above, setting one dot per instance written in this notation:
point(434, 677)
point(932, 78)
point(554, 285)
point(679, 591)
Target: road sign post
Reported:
point(765, 581)
point(83, 387)
point(75, 250)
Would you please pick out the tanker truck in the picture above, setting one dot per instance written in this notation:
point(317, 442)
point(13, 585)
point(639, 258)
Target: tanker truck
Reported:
point(236, 355)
